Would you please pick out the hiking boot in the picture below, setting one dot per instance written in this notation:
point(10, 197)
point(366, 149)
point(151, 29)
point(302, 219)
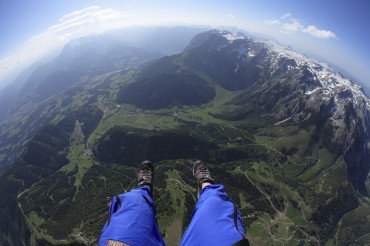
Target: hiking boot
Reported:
point(202, 174)
point(145, 175)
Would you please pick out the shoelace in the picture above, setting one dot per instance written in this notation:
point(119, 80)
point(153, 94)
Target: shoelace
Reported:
point(145, 175)
point(204, 174)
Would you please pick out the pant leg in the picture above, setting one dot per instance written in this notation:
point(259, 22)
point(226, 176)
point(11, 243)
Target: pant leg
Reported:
point(213, 220)
point(132, 220)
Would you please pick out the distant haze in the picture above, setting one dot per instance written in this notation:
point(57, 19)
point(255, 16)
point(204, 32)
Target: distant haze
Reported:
point(336, 32)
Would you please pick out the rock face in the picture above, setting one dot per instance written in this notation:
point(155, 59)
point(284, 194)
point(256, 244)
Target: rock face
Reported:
point(292, 88)
point(274, 81)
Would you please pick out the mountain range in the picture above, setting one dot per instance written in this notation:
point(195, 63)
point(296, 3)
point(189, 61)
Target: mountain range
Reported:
point(287, 135)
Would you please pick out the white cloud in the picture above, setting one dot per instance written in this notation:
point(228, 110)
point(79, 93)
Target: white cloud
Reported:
point(231, 16)
point(79, 23)
point(323, 34)
point(288, 25)
point(287, 15)
point(292, 27)
point(78, 13)
point(272, 22)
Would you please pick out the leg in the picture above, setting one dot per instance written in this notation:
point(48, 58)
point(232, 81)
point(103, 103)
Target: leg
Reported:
point(215, 221)
point(132, 215)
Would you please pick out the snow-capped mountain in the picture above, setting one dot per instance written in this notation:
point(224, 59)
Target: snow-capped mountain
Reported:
point(318, 82)
point(288, 137)
point(278, 56)
point(292, 88)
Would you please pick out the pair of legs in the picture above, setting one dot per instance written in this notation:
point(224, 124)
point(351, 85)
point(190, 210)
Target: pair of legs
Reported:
point(215, 220)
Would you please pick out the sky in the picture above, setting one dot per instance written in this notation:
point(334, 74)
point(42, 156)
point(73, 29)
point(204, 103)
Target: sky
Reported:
point(334, 31)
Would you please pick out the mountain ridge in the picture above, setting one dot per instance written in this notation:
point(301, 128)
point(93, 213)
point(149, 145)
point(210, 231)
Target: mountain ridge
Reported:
point(321, 89)
point(290, 149)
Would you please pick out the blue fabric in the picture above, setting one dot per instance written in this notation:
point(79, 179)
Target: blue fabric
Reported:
point(132, 220)
point(213, 220)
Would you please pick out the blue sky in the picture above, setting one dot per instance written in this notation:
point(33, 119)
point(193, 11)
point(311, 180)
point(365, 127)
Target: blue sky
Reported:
point(336, 31)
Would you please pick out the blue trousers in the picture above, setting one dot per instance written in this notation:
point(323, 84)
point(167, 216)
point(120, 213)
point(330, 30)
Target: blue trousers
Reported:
point(132, 220)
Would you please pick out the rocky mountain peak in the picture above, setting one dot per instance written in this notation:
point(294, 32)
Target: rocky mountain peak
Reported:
point(297, 89)
point(273, 59)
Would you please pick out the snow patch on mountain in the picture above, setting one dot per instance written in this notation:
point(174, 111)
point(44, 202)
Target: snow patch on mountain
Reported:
point(78, 42)
point(330, 83)
point(231, 37)
point(328, 78)
point(251, 53)
point(236, 68)
point(311, 89)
